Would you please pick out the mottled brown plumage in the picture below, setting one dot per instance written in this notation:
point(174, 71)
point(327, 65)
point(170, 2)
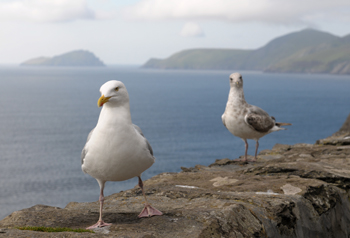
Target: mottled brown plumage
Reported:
point(244, 120)
point(260, 122)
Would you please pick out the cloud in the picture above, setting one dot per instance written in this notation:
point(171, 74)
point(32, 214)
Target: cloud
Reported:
point(45, 10)
point(192, 29)
point(268, 11)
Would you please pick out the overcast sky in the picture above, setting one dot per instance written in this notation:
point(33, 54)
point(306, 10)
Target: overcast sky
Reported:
point(132, 31)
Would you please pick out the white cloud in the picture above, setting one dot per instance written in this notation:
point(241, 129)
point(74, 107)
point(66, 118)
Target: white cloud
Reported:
point(192, 29)
point(268, 11)
point(45, 10)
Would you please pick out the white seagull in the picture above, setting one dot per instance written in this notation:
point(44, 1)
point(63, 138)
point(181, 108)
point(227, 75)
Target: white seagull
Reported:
point(116, 149)
point(244, 120)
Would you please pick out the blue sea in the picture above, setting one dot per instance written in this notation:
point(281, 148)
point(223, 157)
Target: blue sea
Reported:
point(47, 113)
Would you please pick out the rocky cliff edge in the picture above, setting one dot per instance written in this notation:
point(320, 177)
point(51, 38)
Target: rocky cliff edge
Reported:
point(300, 190)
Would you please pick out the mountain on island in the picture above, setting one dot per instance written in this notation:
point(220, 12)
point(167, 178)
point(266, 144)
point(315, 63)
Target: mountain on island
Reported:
point(73, 58)
point(306, 51)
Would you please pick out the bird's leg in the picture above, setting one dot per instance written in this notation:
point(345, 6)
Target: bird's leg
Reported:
point(256, 150)
point(148, 210)
point(245, 159)
point(100, 222)
point(246, 151)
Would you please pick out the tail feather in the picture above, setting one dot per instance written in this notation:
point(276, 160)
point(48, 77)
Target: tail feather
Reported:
point(283, 124)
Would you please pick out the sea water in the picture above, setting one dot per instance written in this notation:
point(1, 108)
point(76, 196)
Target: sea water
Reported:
point(47, 113)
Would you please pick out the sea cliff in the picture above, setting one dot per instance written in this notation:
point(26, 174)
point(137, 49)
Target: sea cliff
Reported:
point(300, 190)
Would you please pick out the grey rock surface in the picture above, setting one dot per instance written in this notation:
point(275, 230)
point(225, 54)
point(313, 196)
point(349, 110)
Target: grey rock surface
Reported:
point(341, 137)
point(292, 191)
point(300, 190)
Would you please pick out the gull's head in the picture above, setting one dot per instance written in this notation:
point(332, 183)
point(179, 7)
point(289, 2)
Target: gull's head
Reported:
point(113, 93)
point(236, 80)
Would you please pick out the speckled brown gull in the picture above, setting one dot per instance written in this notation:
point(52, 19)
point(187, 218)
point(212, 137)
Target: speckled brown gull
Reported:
point(244, 120)
point(116, 149)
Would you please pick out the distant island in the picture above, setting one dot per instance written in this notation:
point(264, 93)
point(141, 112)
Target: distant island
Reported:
point(306, 51)
point(73, 58)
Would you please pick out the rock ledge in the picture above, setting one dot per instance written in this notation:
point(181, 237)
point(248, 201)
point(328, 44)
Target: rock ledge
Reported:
point(291, 191)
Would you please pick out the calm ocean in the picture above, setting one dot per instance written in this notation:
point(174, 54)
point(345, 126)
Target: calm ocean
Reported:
point(47, 113)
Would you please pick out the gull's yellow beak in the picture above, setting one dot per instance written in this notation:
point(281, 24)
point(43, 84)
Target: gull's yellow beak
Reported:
point(237, 82)
point(102, 100)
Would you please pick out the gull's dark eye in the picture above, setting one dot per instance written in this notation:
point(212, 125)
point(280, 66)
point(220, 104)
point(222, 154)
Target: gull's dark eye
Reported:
point(231, 79)
point(116, 89)
point(240, 77)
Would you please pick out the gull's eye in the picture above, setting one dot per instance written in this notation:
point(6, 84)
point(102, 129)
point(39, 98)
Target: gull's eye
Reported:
point(240, 77)
point(116, 89)
point(231, 79)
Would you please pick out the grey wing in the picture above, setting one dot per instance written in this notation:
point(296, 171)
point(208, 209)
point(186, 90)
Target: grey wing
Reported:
point(84, 151)
point(138, 130)
point(258, 119)
point(223, 119)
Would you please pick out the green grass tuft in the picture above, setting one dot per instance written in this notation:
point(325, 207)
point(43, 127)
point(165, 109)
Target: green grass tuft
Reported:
point(52, 229)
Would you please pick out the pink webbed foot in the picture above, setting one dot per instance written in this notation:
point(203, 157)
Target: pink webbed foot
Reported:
point(99, 224)
point(149, 211)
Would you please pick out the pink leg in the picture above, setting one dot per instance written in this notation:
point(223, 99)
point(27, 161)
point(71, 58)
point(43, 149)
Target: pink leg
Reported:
point(256, 150)
point(100, 222)
point(148, 210)
point(246, 151)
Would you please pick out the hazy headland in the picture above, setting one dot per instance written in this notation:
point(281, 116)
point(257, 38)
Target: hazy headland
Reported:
point(72, 58)
point(306, 51)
